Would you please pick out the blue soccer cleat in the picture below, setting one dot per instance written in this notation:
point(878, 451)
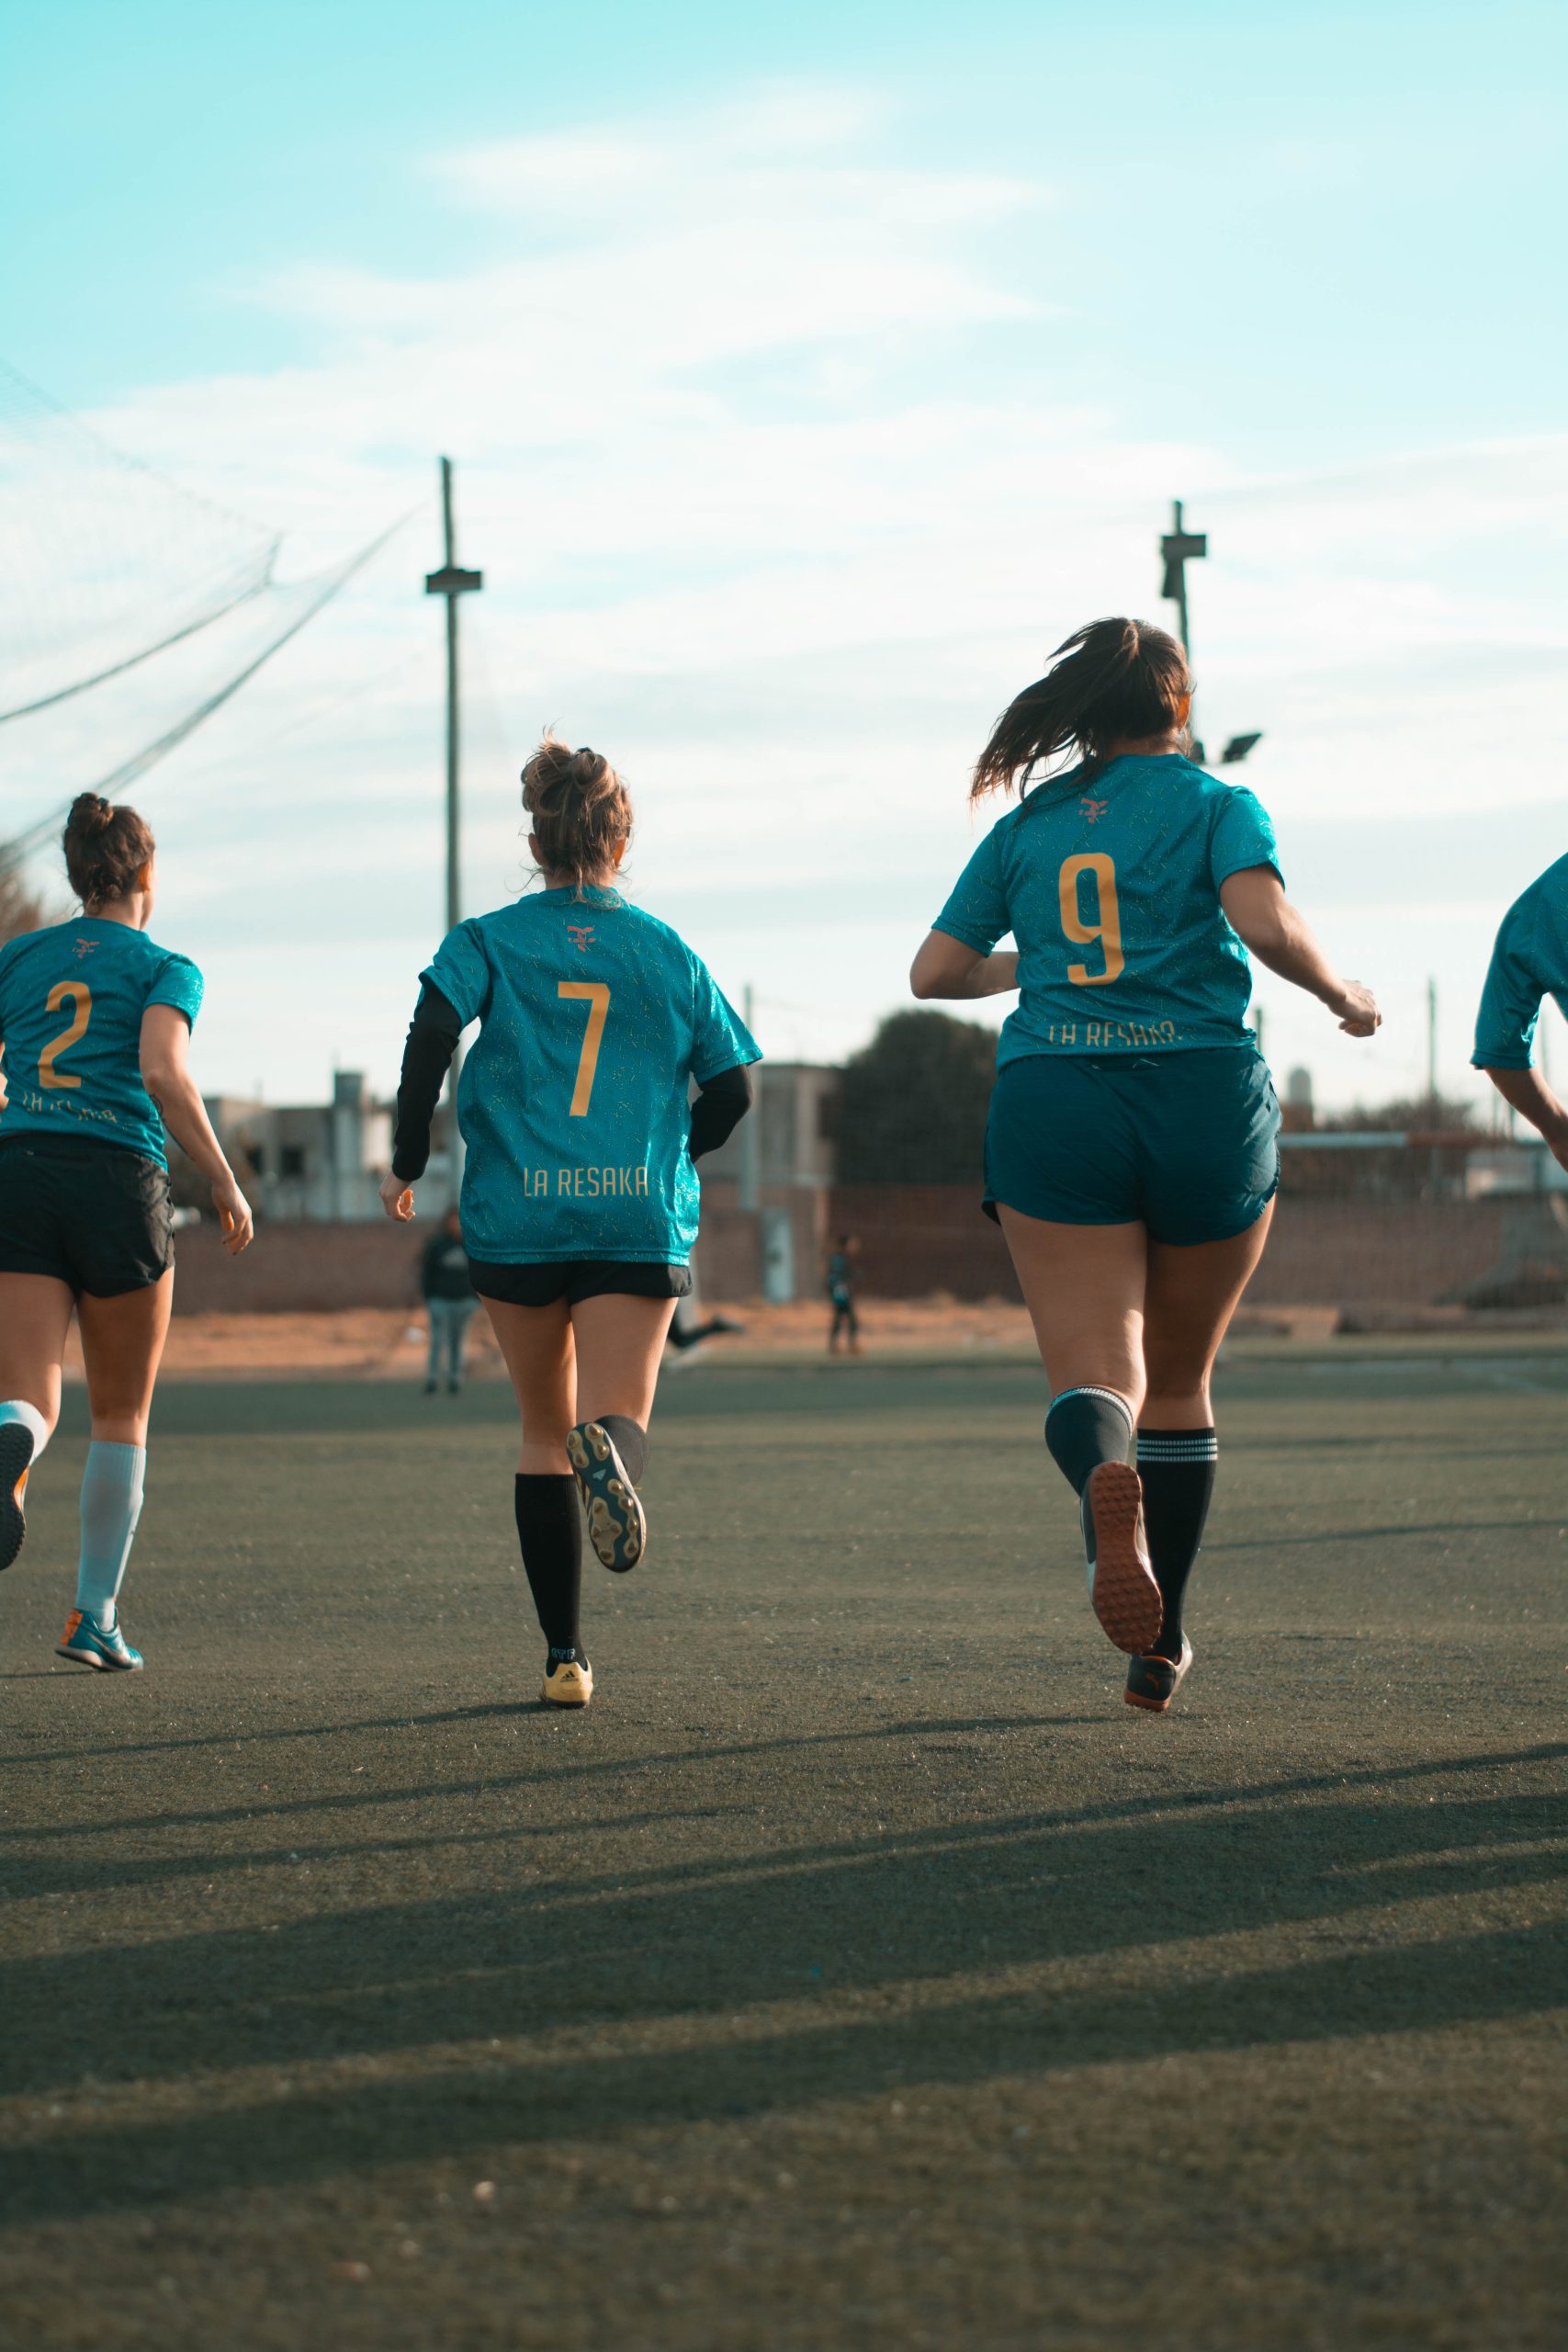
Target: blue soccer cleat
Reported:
point(16, 1461)
point(617, 1527)
point(85, 1643)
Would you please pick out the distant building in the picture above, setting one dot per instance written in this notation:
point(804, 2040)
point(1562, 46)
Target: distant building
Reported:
point(322, 1162)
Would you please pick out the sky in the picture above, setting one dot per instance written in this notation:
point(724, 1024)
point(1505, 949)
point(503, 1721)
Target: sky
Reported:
point(809, 374)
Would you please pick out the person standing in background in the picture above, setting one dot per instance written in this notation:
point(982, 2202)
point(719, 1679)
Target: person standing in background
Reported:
point(841, 1294)
point(450, 1301)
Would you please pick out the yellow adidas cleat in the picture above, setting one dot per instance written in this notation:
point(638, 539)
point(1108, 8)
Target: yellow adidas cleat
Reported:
point(570, 1684)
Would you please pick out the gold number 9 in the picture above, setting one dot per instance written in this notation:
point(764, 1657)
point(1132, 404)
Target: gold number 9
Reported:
point(1107, 931)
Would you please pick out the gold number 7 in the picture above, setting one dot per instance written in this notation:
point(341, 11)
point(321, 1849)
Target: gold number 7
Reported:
point(597, 997)
point(81, 1013)
point(1108, 930)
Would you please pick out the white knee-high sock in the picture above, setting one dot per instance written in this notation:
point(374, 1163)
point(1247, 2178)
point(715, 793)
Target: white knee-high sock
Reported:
point(16, 1408)
point(111, 1505)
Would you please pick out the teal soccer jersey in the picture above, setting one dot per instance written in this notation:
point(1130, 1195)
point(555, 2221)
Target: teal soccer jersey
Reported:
point(572, 1102)
point(1111, 891)
point(1529, 961)
point(72, 999)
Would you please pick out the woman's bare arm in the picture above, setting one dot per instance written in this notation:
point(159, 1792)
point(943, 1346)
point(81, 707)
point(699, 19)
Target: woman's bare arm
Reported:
point(945, 968)
point(1263, 918)
point(165, 1073)
point(1526, 1091)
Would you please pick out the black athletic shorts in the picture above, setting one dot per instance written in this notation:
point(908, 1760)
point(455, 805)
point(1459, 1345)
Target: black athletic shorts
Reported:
point(91, 1214)
point(574, 1279)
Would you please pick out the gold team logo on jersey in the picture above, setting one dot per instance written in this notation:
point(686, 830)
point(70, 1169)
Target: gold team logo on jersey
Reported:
point(1094, 809)
point(580, 935)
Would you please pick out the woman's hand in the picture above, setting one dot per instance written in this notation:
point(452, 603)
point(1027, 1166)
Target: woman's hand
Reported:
point(233, 1215)
point(397, 1198)
point(1357, 1010)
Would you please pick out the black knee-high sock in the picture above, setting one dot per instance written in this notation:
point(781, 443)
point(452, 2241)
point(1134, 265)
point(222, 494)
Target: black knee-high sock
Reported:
point(1176, 1469)
point(630, 1442)
point(549, 1529)
point(1085, 1427)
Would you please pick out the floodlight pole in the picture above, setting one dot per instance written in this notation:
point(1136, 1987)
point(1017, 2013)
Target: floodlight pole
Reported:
point(452, 581)
point(1179, 548)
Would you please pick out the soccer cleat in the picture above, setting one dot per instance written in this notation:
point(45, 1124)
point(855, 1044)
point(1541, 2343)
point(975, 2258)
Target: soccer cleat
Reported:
point(1121, 1578)
point(16, 1461)
point(1153, 1683)
point(85, 1643)
point(570, 1684)
point(618, 1525)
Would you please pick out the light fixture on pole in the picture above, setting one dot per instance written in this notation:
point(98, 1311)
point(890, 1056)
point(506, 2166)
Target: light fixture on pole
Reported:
point(1178, 548)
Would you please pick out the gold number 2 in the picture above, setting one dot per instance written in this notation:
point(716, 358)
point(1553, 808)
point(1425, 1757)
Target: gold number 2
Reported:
point(81, 1013)
point(1108, 930)
point(597, 997)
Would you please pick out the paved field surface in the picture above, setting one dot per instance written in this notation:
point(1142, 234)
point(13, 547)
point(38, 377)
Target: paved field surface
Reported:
point(859, 1971)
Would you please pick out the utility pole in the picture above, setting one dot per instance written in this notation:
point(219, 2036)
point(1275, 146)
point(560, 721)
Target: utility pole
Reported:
point(1432, 1050)
point(750, 1170)
point(452, 581)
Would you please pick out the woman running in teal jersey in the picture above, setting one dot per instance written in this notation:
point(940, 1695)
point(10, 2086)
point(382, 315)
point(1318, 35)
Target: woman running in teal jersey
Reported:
point(1529, 961)
point(580, 1197)
point(1131, 1153)
point(94, 1024)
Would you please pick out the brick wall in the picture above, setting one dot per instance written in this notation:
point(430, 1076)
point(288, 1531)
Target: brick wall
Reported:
point(916, 1239)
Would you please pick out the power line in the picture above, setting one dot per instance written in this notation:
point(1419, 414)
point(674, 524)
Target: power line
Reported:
point(12, 852)
point(253, 587)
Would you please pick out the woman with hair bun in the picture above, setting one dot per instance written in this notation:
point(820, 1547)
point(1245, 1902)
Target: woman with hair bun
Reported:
point(1131, 1153)
point(580, 1196)
point(94, 1027)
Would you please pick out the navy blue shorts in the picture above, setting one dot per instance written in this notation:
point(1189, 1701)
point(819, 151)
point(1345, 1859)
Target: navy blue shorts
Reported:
point(1185, 1143)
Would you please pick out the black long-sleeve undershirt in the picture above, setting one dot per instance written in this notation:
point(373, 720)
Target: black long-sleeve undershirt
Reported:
point(722, 1101)
point(427, 1057)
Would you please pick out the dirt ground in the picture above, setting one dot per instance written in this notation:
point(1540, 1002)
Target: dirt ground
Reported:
point(858, 1971)
point(389, 1343)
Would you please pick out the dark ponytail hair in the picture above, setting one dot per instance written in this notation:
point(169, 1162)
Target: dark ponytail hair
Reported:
point(105, 849)
point(581, 809)
point(1115, 681)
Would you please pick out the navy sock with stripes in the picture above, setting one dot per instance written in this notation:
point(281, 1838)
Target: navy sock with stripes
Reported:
point(1177, 1470)
point(1085, 1427)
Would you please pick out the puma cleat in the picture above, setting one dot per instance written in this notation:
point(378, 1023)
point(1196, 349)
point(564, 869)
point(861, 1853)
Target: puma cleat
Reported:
point(1120, 1577)
point(1153, 1683)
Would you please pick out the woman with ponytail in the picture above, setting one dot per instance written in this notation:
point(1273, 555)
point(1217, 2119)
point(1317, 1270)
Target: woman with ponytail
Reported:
point(1131, 1153)
point(94, 1026)
point(580, 1195)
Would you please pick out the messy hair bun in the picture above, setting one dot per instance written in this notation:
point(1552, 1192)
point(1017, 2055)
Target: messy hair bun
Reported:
point(105, 849)
point(580, 810)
